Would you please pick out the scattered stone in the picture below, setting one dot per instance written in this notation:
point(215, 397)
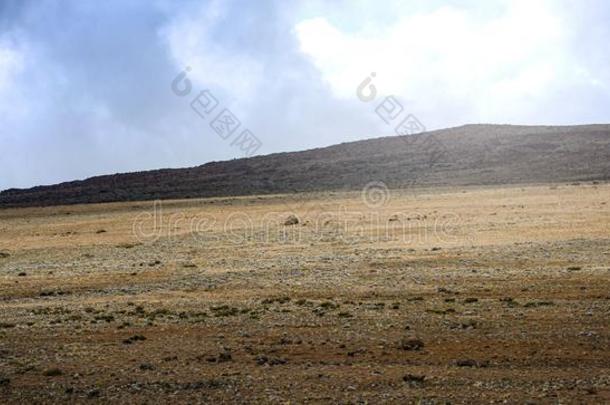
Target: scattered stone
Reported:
point(277, 361)
point(224, 310)
point(471, 363)
point(509, 301)
point(355, 352)
point(413, 379)
point(291, 220)
point(468, 324)
point(133, 339)
point(262, 360)
point(126, 245)
point(51, 293)
point(591, 391)
point(224, 357)
point(279, 300)
point(534, 304)
point(94, 394)
point(441, 311)
point(411, 344)
point(326, 306)
point(53, 372)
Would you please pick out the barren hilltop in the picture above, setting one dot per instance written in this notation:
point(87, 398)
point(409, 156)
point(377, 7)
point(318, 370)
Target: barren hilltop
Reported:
point(467, 155)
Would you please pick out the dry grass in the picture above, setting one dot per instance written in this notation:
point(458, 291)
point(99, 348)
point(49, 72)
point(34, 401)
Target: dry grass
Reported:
point(507, 289)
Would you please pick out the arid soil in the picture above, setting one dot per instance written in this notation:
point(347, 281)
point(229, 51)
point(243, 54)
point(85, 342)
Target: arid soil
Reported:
point(473, 295)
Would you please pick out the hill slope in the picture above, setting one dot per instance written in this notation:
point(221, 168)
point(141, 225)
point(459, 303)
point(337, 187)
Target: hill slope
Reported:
point(468, 155)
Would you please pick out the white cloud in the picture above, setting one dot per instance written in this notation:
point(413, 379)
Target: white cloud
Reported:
point(191, 42)
point(288, 70)
point(13, 108)
point(10, 62)
point(494, 64)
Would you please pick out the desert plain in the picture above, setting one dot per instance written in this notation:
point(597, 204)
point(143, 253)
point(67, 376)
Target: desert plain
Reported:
point(430, 296)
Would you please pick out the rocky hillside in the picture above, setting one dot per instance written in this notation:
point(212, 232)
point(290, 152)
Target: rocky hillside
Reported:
point(468, 155)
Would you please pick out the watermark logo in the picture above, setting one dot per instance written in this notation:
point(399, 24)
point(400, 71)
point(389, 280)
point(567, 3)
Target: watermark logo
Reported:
point(375, 194)
point(410, 126)
point(336, 224)
point(181, 86)
point(367, 91)
point(147, 226)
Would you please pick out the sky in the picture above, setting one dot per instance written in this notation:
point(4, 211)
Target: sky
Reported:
point(92, 87)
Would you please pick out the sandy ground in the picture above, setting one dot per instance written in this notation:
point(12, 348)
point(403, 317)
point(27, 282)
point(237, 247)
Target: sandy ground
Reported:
point(463, 296)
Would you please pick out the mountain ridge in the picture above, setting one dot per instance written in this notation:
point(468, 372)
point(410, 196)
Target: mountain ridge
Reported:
point(474, 154)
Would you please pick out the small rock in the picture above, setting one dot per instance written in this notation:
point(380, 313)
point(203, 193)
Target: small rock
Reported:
point(471, 363)
point(414, 379)
point(224, 357)
point(591, 390)
point(133, 339)
point(291, 220)
point(94, 394)
point(411, 344)
point(468, 324)
point(53, 372)
point(277, 361)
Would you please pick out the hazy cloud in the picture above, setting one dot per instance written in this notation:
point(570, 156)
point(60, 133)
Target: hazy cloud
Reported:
point(85, 85)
